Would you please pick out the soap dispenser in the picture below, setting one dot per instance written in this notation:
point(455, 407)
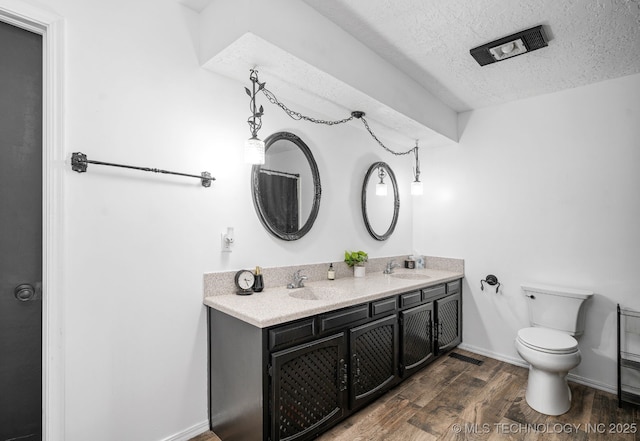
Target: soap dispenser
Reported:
point(331, 274)
point(258, 284)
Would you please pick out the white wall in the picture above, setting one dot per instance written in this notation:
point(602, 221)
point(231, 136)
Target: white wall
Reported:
point(541, 190)
point(139, 243)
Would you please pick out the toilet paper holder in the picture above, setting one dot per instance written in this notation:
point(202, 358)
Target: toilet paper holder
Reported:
point(490, 280)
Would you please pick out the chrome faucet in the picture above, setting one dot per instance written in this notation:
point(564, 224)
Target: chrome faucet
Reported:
point(298, 280)
point(390, 266)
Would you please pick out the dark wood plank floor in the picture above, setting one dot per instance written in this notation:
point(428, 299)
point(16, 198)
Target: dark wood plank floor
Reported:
point(455, 400)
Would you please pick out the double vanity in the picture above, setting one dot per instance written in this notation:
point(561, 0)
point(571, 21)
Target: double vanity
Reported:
point(287, 364)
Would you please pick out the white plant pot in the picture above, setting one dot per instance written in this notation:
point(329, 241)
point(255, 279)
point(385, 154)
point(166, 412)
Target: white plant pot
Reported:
point(359, 271)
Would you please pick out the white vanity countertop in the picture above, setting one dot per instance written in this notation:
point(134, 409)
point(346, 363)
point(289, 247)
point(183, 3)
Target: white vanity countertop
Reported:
point(276, 305)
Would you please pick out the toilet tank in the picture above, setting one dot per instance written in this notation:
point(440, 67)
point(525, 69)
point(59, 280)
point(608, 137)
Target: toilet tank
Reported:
point(556, 308)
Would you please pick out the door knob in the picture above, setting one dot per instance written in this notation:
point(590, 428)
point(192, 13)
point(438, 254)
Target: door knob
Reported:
point(24, 292)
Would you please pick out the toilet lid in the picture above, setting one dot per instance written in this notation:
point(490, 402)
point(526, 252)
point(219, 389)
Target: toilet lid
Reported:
point(547, 340)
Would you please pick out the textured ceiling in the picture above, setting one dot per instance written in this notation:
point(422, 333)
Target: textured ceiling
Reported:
point(590, 41)
point(429, 40)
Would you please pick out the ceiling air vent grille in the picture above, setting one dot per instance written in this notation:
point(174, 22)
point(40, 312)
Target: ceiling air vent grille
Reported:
point(510, 46)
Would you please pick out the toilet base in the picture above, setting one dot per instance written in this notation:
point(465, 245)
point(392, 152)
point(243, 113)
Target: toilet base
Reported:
point(548, 392)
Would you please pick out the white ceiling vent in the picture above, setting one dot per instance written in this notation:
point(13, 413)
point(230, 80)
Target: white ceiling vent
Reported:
point(510, 46)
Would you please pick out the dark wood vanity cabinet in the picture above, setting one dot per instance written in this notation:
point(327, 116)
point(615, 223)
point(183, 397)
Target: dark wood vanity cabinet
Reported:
point(293, 381)
point(316, 384)
point(417, 342)
point(449, 317)
point(431, 328)
point(373, 359)
point(308, 389)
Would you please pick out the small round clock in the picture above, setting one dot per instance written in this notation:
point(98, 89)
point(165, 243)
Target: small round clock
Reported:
point(244, 282)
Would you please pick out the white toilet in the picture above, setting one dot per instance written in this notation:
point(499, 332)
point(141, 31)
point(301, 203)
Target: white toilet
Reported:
point(556, 315)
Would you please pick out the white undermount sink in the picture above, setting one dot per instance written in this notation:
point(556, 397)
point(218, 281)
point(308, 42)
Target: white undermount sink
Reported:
point(409, 276)
point(313, 293)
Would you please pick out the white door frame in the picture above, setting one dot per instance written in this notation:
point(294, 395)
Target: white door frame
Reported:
point(51, 26)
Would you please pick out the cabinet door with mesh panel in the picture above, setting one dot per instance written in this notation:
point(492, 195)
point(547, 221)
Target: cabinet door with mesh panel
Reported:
point(449, 315)
point(416, 338)
point(374, 359)
point(308, 388)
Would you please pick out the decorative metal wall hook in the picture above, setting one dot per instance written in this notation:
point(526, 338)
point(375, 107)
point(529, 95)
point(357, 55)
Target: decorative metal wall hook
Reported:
point(490, 280)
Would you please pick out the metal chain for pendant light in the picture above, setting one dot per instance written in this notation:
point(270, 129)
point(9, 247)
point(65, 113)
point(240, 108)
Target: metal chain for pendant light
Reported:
point(299, 116)
point(366, 125)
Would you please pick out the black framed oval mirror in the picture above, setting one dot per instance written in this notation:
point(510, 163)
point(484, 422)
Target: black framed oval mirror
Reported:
point(286, 189)
point(380, 209)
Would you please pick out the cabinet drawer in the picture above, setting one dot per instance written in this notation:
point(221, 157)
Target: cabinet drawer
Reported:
point(294, 332)
point(383, 306)
point(410, 298)
point(453, 287)
point(342, 318)
point(434, 291)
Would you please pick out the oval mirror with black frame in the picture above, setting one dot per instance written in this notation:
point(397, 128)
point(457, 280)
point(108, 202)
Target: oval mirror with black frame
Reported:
point(380, 208)
point(286, 188)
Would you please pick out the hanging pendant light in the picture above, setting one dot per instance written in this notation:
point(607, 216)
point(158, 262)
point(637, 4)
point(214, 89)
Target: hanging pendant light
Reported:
point(416, 185)
point(254, 146)
point(381, 187)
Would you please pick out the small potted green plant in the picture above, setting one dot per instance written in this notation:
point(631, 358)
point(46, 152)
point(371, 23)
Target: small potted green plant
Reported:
point(356, 259)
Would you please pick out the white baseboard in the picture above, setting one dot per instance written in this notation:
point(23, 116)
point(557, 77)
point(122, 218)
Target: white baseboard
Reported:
point(481, 351)
point(592, 383)
point(189, 433)
point(520, 362)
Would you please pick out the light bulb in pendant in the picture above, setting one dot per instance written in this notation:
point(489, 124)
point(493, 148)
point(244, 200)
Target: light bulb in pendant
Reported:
point(381, 189)
point(254, 151)
point(416, 188)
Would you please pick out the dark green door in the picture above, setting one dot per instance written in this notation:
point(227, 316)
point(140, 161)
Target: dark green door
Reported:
point(20, 234)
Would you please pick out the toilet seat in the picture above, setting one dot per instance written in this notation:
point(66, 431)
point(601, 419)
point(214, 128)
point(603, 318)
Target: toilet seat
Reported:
point(547, 340)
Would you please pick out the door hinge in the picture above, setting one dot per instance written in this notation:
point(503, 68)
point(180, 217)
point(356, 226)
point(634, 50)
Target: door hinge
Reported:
point(270, 370)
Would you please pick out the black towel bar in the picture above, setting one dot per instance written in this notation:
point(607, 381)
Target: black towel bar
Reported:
point(79, 163)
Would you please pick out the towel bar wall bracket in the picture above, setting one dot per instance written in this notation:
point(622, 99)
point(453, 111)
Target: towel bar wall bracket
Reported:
point(79, 163)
